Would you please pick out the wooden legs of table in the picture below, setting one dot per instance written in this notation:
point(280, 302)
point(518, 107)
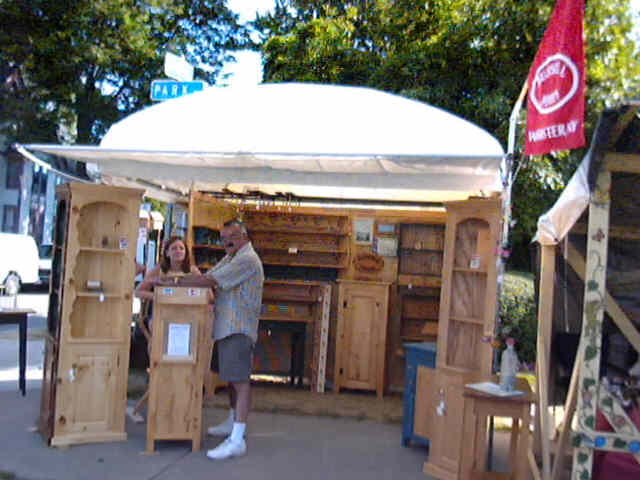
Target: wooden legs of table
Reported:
point(474, 454)
point(141, 402)
point(23, 353)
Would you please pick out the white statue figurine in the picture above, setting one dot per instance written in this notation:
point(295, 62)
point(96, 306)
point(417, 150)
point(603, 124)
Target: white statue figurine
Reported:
point(509, 367)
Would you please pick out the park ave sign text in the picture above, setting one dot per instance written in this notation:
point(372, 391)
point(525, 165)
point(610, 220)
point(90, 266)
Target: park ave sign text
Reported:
point(168, 89)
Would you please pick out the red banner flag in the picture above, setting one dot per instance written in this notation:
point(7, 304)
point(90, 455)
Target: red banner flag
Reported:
point(555, 107)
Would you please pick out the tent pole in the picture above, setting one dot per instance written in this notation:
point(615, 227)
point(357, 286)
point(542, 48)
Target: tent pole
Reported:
point(513, 119)
point(545, 317)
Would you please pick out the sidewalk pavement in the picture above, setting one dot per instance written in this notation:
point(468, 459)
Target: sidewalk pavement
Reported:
point(284, 447)
point(280, 446)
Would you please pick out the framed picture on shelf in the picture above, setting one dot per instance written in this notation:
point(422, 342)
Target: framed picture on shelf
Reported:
point(363, 231)
point(386, 246)
point(386, 229)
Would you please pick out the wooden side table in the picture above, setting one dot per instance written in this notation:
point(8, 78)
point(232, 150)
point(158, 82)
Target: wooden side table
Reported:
point(478, 407)
point(19, 317)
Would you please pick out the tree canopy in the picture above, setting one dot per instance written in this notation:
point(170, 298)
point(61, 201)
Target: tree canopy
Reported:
point(468, 57)
point(71, 68)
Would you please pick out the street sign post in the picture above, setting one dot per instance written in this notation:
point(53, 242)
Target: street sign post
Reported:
point(177, 67)
point(167, 89)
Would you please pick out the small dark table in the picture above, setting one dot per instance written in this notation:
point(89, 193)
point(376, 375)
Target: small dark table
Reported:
point(298, 332)
point(19, 317)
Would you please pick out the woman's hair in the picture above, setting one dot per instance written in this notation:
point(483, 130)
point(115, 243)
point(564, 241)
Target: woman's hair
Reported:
point(165, 263)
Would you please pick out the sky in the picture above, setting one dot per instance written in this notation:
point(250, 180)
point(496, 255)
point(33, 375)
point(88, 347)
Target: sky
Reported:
point(248, 68)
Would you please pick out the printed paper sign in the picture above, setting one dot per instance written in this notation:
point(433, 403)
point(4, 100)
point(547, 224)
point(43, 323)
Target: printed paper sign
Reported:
point(179, 340)
point(387, 247)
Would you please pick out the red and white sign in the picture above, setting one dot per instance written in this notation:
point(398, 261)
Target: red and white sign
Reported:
point(555, 108)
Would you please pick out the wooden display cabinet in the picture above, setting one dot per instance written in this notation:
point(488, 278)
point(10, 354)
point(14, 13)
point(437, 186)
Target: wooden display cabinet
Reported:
point(309, 238)
point(300, 308)
point(361, 335)
point(419, 279)
point(300, 239)
point(207, 216)
point(87, 346)
point(467, 315)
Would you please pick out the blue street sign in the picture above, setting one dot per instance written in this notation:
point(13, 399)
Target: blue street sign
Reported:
point(167, 89)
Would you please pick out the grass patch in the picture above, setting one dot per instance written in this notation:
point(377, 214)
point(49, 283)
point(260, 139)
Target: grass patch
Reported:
point(520, 280)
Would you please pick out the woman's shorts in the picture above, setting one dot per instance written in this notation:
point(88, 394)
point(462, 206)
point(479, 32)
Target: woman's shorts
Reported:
point(234, 355)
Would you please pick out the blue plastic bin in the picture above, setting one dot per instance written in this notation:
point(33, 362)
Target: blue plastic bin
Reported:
point(416, 354)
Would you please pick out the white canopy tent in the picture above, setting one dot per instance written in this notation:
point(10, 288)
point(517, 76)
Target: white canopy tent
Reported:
point(614, 125)
point(304, 139)
point(556, 223)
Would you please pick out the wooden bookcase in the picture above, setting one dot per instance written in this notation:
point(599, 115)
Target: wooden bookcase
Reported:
point(313, 238)
point(420, 256)
point(207, 215)
point(308, 239)
point(300, 308)
point(87, 346)
point(467, 315)
point(316, 240)
point(361, 335)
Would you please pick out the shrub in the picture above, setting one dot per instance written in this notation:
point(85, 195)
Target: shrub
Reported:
point(518, 317)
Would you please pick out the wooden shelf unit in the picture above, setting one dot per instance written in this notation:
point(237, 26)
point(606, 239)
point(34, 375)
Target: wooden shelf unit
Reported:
point(310, 238)
point(420, 277)
point(86, 363)
point(304, 307)
point(316, 240)
point(467, 316)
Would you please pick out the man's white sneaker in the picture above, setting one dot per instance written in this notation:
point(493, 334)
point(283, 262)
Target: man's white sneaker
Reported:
point(222, 429)
point(228, 449)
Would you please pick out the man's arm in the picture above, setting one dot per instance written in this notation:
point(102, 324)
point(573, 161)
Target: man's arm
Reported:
point(191, 280)
point(233, 273)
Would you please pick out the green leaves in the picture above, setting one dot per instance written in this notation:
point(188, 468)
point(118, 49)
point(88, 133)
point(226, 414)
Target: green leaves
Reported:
point(607, 402)
point(590, 353)
point(619, 443)
point(82, 65)
point(470, 58)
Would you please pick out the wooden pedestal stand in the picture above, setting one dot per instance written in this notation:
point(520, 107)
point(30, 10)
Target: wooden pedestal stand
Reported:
point(180, 355)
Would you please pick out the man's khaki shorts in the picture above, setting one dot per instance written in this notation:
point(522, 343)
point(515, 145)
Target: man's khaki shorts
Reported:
point(233, 358)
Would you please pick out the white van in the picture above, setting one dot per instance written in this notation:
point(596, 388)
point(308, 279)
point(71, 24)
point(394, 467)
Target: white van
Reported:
point(18, 261)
